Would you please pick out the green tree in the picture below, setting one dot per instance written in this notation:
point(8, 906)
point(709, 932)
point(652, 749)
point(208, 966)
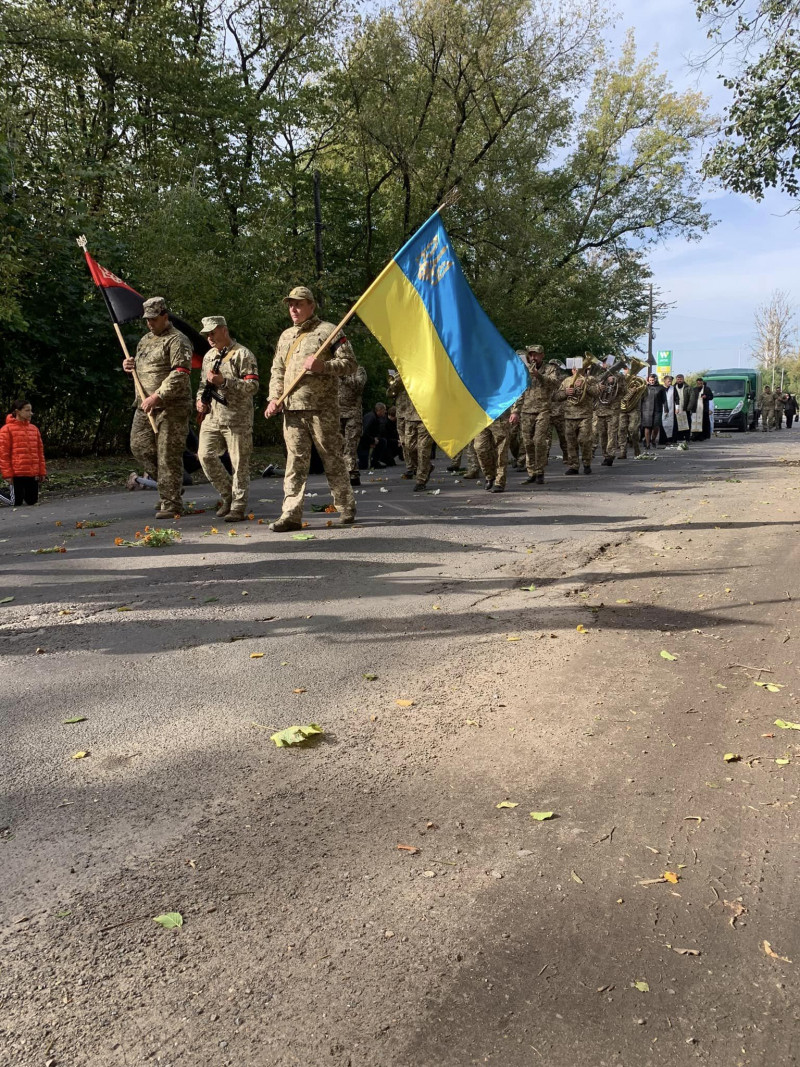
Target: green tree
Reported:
point(759, 138)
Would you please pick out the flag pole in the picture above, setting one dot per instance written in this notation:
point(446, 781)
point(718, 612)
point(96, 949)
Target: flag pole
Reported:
point(448, 201)
point(82, 243)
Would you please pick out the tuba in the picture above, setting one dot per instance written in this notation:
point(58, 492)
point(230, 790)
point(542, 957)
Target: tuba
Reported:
point(610, 382)
point(634, 386)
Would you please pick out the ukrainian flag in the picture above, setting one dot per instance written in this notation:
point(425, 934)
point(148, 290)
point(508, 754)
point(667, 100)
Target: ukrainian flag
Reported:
point(458, 370)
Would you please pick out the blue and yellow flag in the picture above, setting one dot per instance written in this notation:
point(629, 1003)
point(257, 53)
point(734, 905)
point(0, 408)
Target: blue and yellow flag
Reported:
point(459, 371)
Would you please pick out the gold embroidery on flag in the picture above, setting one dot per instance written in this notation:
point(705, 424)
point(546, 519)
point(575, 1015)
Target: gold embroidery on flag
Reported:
point(432, 264)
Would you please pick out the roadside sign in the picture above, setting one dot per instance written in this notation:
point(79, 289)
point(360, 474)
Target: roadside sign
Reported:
point(664, 363)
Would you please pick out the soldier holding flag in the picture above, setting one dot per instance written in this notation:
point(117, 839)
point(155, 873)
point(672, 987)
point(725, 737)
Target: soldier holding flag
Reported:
point(163, 365)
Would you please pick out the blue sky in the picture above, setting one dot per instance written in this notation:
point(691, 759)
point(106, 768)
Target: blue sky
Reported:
point(716, 284)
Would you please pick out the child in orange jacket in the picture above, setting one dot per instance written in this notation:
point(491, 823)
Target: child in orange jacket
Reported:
point(22, 454)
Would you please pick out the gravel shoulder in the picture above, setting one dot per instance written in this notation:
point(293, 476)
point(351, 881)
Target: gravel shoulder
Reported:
point(309, 938)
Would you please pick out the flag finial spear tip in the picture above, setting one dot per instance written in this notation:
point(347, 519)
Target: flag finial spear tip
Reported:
point(81, 241)
point(452, 197)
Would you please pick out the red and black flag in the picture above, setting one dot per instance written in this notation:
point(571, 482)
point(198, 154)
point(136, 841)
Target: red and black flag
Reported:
point(125, 305)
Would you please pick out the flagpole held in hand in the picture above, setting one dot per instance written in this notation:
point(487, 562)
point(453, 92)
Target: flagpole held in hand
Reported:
point(137, 384)
point(450, 199)
point(141, 394)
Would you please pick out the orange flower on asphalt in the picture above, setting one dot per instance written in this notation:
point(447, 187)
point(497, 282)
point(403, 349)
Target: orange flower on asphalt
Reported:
point(117, 540)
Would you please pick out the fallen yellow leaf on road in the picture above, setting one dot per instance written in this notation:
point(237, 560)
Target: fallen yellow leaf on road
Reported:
point(296, 735)
point(506, 804)
point(540, 816)
point(670, 876)
point(786, 725)
point(773, 955)
point(256, 655)
point(405, 703)
point(80, 755)
point(581, 628)
point(667, 655)
point(300, 689)
point(731, 757)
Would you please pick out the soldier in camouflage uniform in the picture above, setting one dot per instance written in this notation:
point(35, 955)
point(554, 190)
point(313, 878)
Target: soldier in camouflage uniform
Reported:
point(606, 416)
point(420, 446)
point(403, 406)
point(557, 422)
point(767, 404)
point(311, 410)
point(351, 389)
point(163, 364)
point(630, 416)
point(577, 393)
point(491, 448)
point(227, 420)
point(532, 411)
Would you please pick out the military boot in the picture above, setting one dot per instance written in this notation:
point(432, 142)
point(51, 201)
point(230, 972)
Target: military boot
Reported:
point(235, 515)
point(224, 508)
point(284, 524)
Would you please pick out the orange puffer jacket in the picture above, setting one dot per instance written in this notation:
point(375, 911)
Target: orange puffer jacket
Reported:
point(21, 450)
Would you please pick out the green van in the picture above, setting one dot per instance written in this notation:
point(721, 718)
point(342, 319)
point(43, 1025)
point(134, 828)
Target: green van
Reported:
point(736, 394)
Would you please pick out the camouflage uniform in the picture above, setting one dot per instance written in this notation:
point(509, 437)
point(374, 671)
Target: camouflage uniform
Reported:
point(351, 389)
point(163, 363)
point(491, 448)
point(516, 446)
point(534, 411)
point(578, 420)
point(607, 422)
point(403, 407)
point(469, 461)
point(557, 423)
point(229, 425)
point(631, 420)
point(767, 404)
point(311, 413)
point(419, 444)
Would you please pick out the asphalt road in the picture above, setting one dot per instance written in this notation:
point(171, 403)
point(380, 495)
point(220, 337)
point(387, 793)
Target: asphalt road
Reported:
point(309, 938)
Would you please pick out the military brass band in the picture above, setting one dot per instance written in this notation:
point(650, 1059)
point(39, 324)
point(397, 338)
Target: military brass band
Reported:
point(316, 384)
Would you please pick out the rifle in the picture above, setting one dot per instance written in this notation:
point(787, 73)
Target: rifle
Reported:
point(210, 392)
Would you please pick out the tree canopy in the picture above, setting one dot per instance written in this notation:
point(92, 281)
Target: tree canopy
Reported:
point(759, 138)
point(183, 137)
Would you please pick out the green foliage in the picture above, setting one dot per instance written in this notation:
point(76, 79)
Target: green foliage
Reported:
point(182, 138)
point(759, 138)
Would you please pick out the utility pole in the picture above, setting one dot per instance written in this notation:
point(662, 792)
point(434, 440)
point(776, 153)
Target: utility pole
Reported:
point(318, 227)
point(650, 360)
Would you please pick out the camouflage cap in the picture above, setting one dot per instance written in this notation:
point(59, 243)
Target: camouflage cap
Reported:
point(535, 348)
point(300, 292)
point(154, 307)
point(210, 322)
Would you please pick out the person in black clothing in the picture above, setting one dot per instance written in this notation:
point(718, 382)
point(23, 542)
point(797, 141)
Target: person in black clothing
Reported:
point(375, 438)
point(653, 405)
point(393, 435)
point(789, 409)
point(699, 414)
